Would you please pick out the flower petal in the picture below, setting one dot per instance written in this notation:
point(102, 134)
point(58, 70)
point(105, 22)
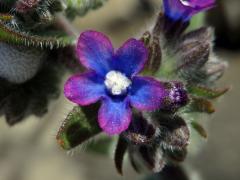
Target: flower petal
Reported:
point(95, 51)
point(184, 10)
point(200, 5)
point(84, 89)
point(114, 115)
point(131, 57)
point(147, 93)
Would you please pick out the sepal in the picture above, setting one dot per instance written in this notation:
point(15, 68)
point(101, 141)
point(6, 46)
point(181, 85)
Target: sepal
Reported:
point(79, 126)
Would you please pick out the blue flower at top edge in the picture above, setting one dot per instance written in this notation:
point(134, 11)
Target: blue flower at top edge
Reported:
point(185, 9)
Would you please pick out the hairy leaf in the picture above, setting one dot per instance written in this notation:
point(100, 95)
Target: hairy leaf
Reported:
point(201, 105)
point(20, 64)
point(79, 126)
point(153, 157)
point(206, 92)
point(174, 132)
point(132, 160)
point(155, 58)
point(51, 41)
point(5, 17)
point(18, 101)
point(176, 155)
point(199, 128)
point(81, 7)
point(139, 131)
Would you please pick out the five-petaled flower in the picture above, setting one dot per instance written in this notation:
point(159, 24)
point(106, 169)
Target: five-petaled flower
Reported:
point(184, 9)
point(112, 78)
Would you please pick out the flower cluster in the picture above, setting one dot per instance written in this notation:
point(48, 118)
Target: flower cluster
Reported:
point(149, 89)
point(112, 78)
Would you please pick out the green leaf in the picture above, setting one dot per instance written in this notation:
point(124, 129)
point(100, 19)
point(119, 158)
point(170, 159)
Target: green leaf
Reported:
point(52, 40)
point(199, 128)
point(83, 4)
point(79, 126)
point(201, 105)
point(81, 7)
point(206, 92)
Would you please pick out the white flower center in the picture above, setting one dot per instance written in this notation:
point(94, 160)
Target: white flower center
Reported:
point(116, 82)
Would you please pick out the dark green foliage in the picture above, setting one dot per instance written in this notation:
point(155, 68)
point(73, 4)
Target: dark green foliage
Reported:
point(33, 22)
point(79, 126)
point(206, 92)
point(36, 24)
point(18, 101)
point(47, 40)
point(80, 8)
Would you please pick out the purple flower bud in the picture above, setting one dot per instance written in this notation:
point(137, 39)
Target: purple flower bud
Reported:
point(177, 96)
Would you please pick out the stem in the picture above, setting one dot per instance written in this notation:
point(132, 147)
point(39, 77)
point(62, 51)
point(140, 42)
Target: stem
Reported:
point(63, 23)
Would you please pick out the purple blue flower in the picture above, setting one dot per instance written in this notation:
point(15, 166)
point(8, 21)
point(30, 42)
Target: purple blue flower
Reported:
point(185, 9)
point(112, 78)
